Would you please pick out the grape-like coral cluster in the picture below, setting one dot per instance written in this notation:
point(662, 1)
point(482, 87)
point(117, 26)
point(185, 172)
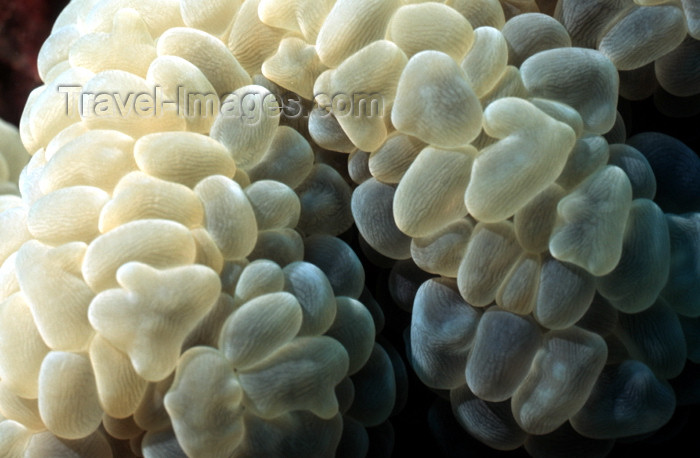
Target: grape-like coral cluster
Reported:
point(172, 284)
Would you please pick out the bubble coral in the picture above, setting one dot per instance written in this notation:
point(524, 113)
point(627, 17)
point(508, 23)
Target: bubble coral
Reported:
point(197, 301)
point(166, 284)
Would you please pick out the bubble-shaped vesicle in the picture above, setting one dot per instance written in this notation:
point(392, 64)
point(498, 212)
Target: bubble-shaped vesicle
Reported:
point(247, 123)
point(68, 400)
point(655, 337)
point(560, 380)
point(360, 102)
point(642, 272)
point(530, 33)
point(523, 163)
point(259, 327)
point(592, 222)
point(490, 422)
point(629, 49)
point(490, 254)
point(212, 428)
point(565, 292)
point(627, 400)
point(429, 195)
point(300, 375)
point(372, 204)
point(435, 102)
point(21, 347)
point(153, 323)
point(504, 347)
point(568, 75)
point(442, 332)
point(228, 216)
point(351, 25)
point(681, 291)
point(56, 292)
point(434, 26)
point(315, 295)
point(441, 252)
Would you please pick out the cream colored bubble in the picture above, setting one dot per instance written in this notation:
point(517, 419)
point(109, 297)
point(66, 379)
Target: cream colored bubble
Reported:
point(503, 349)
point(507, 174)
point(55, 50)
point(68, 400)
point(665, 29)
point(442, 334)
point(582, 78)
point(643, 270)
point(441, 252)
point(486, 61)
point(13, 231)
point(208, 54)
point(280, 383)
point(529, 33)
point(213, 427)
point(247, 124)
point(184, 83)
point(289, 159)
point(160, 243)
point(140, 196)
point(565, 292)
point(45, 113)
point(519, 289)
point(55, 291)
point(354, 329)
point(150, 324)
point(275, 205)
point(372, 204)
point(535, 220)
point(562, 376)
point(592, 222)
point(55, 218)
point(259, 327)
point(119, 387)
point(429, 195)
point(127, 46)
point(159, 15)
point(213, 17)
point(258, 278)
point(96, 158)
point(46, 444)
point(391, 161)
point(21, 347)
point(350, 26)
point(480, 13)
point(295, 66)
point(119, 100)
point(182, 157)
point(427, 109)
point(311, 288)
point(433, 26)
point(361, 100)
point(491, 252)
point(228, 216)
point(251, 41)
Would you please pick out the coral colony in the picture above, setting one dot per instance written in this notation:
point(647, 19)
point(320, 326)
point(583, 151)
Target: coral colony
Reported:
point(172, 282)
